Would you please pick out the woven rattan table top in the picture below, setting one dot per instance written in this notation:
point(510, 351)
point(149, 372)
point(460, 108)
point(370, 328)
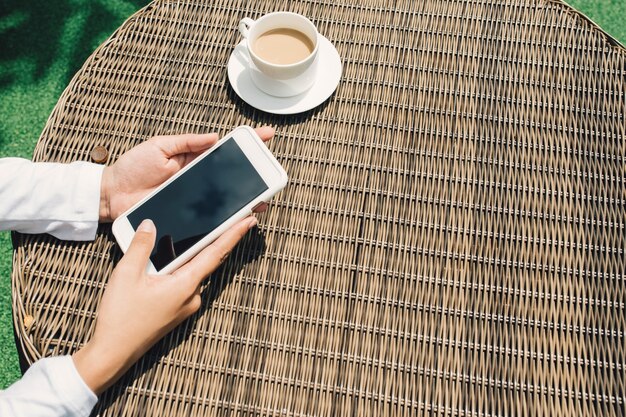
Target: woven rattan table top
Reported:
point(451, 241)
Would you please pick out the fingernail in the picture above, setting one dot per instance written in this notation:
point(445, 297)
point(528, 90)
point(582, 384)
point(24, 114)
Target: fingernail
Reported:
point(252, 223)
point(146, 226)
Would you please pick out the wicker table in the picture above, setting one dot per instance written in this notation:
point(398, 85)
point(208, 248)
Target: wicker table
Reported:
point(451, 241)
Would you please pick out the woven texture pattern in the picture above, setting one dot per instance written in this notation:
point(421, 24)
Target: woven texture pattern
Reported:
point(451, 241)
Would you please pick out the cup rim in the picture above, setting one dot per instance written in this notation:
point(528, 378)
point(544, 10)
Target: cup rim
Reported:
point(251, 51)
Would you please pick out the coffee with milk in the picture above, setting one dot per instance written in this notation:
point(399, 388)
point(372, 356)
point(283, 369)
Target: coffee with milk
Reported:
point(283, 46)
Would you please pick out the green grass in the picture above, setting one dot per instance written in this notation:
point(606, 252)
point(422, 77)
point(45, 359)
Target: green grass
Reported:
point(43, 43)
point(608, 14)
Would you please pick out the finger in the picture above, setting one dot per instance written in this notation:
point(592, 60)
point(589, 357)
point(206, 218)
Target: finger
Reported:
point(189, 157)
point(180, 288)
point(181, 144)
point(197, 291)
point(190, 306)
point(261, 208)
point(182, 160)
point(265, 132)
point(212, 256)
point(141, 246)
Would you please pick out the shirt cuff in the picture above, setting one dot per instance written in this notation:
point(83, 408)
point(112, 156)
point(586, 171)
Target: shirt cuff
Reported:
point(87, 199)
point(71, 386)
point(57, 378)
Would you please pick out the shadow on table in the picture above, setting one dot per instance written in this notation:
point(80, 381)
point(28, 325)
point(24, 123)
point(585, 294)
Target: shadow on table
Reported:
point(255, 241)
point(37, 31)
point(46, 42)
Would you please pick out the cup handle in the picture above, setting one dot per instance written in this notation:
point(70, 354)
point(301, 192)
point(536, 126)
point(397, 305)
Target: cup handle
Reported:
point(244, 26)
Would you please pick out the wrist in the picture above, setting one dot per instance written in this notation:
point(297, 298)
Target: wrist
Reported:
point(104, 213)
point(98, 367)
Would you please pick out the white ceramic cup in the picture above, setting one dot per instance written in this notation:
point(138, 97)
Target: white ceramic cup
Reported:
point(276, 79)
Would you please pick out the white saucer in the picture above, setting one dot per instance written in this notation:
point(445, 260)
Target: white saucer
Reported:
point(328, 75)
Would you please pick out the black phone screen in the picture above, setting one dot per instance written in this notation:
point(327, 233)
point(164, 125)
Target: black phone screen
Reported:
point(197, 202)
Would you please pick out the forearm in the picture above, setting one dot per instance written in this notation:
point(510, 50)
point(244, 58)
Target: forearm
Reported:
point(61, 199)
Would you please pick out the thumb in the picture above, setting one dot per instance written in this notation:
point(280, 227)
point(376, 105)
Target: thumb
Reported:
point(188, 143)
point(141, 246)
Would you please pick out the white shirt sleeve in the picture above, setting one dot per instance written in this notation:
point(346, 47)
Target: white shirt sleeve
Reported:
point(63, 200)
point(51, 387)
point(41, 197)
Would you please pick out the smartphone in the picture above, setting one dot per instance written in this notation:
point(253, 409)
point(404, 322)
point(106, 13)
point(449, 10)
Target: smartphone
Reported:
point(200, 202)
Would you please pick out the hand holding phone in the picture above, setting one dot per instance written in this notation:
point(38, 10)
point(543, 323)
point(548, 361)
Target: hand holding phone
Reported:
point(191, 209)
point(136, 309)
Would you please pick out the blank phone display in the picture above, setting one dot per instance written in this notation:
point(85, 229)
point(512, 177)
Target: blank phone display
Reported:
point(197, 202)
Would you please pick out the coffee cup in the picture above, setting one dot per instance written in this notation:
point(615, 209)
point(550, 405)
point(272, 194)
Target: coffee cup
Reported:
point(283, 52)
